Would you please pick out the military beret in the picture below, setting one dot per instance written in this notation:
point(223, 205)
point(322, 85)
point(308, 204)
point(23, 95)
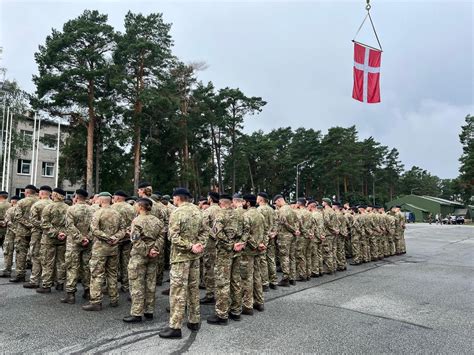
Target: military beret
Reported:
point(120, 193)
point(370, 205)
point(225, 197)
point(46, 188)
point(292, 202)
point(264, 195)
point(362, 206)
point(30, 187)
point(155, 198)
point(310, 202)
point(15, 197)
point(158, 193)
point(377, 206)
point(397, 206)
point(145, 200)
point(82, 192)
point(301, 201)
point(60, 191)
point(3, 193)
point(214, 196)
point(277, 197)
point(131, 198)
point(181, 191)
point(144, 184)
point(320, 207)
point(327, 200)
point(237, 195)
point(166, 197)
point(336, 203)
point(105, 194)
point(250, 197)
point(203, 199)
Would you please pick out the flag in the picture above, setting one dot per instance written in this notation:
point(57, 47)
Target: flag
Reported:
point(366, 74)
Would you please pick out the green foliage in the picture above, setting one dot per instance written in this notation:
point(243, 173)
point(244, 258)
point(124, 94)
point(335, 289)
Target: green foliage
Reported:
point(466, 179)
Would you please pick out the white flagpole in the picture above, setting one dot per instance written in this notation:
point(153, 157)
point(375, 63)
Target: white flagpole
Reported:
point(5, 148)
point(37, 150)
point(57, 153)
point(3, 120)
point(9, 153)
point(33, 150)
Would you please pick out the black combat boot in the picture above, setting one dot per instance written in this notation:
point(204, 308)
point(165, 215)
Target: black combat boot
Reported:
point(235, 317)
point(259, 307)
point(194, 327)
point(273, 286)
point(6, 274)
point(86, 294)
point(30, 285)
point(69, 299)
point(293, 282)
point(92, 307)
point(148, 316)
point(284, 283)
point(132, 319)
point(170, 333)
point(207, 300)
point(60, 287)
point(265, 288)
point(43, 290)
point(301, 279)
point(17, 279)
point(166, 292)
point(247, 311)
point(215, 319)
point(114, 304)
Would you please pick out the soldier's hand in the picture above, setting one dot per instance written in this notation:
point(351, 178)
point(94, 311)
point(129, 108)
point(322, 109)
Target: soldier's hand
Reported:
point(238, 246)
point(297, 233)
point(153, 253)
point(61, 236)
point(197, 248)
point(273, 235)
point(262, 247)
point(113, 241)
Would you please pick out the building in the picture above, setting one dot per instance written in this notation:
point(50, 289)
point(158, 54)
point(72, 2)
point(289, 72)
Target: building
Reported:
point(41, 171)
point(422, 206)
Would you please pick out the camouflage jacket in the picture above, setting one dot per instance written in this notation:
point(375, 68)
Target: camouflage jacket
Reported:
point(160, 211)
point(331, 222)
point(147, 232)
point(343, 228)
point(287, 221)
point(186, 227)
point(269, 217)
point(127, 212)
point(78, 223)
point(209, 216)
point(317, 226)
point(306, 223)
point(4, 206)
point(53, 222)
point(358, 228)
point(37, 212)
point(255, 228)
point(106, 223)
point(9, 214)
point(22, 216)
point(225, 229)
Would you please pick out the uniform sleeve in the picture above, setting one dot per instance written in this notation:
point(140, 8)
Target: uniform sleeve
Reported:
point(20, 215)
point(95, 228)
point(35, 217)
point(204, 230)
point(175, 233)
point(71, 229)
point(291, 226)
point(46, 221)
point(160, 236)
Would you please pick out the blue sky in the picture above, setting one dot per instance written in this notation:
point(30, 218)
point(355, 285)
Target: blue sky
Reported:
point(298, 56)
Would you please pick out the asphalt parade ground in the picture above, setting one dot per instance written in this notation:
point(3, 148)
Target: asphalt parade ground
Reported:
point(421, 302)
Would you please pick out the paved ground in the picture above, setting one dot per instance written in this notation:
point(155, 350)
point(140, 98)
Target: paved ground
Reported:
point(422, 302)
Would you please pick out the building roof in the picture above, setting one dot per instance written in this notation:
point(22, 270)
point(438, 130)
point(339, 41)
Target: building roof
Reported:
point(416, 207)
point(460, 212)
point(442, 201)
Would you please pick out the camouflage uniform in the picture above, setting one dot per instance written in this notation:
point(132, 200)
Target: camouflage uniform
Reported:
point(227, 267)
point(317, 231)
point(127, 213)
point(399, 233)
point(78, 221)
point(330, 230)
point(341, 241)
point(147, 232)
point(391, 223)
point(162, 213)
point(4, 206)
point(36, 235)
point(267, 258)
point(53, 222)
point(22, 227)
point(209, 257)
point(364, 221)
point(186, 228)
point(303, 244)
point(9, 244)
point(380, 223)
point(373, 235)
point(287, 225)
point(252, 288)
point(106, 223)
point(350, 223)
point(356, 236)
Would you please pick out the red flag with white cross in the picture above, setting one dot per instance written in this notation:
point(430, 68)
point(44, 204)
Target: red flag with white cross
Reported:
point(366, 73)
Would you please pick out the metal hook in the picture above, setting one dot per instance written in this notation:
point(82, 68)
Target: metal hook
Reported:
point(368, 7)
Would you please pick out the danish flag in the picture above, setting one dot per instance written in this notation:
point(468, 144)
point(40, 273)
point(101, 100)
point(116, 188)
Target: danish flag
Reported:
point(366, 74)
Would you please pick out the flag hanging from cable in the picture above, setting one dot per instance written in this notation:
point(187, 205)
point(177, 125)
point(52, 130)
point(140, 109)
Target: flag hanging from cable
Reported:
point(366, 73)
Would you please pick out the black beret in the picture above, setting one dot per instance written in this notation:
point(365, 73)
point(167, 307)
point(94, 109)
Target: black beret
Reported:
point(302, 200)
point(120, 193)
point(310, 202)
point(214, 196)
point(225, 197)
point(362, 206)
point(336, 203)
point(264, 195)
point(144, 184)
point(292, 202)
point(377, 206)
point(15, 197)
point(30, 187)
point(237, 195)
point(131, 198)
point(158, 193)
point(3, 193)
point(203, 199)
point(145, 200)
point(370, 206)
point(46, 188)
point(277, 197)
point(250, 197)
point(59, 191)
point(397, 206)
point(82, 192)
point(181, 191)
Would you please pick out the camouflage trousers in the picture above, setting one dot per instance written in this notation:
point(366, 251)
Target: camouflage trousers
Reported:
point(303, 257)
point(365, 247)
point(53, 263)
point(316, 257)
point(341, 252)
point(103, 268)
point(142, 277)
point(400, 246)
point(77, 266)
point(160, 269)
point(287, 248)
point(184, 291)
point(8, 251)
point(348, 245)
point(391, 245)
point(357, 256)
point(373, 247)
point(124, 249)
point(252, 289)
point(209, 260)
point(268, 264)
point(227, 284)
point(3, 232)
point(35, 252)
point(328, 254)
point(381, 245)
point(22, 245)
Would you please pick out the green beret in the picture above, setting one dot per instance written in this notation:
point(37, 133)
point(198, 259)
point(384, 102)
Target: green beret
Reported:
point(105, 194)
point(328, 201)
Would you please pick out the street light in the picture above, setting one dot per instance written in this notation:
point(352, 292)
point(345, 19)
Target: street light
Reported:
point(298, 175)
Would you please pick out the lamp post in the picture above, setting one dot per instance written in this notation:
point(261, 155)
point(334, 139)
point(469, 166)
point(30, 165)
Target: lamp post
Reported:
point(298, 176)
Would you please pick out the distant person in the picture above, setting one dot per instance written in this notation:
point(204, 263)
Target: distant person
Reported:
point(430, 218)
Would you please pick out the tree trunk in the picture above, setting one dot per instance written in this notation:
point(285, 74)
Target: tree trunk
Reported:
point(98, 154)
point(90, 138)
point(219, 163)
point(137, 132)
point(233, 159)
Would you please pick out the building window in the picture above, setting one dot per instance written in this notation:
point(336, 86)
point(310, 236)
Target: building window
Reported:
point(49, 141)
point(20, 192)
point(24, 167)
point(47, 169)
point(27, 137)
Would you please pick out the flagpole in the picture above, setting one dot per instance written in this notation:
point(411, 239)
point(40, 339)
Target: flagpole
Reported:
point(7, 186)
point(3, 119)
point(33, 149)
point(37, 150)
point(4, 155)
point(57, 152)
